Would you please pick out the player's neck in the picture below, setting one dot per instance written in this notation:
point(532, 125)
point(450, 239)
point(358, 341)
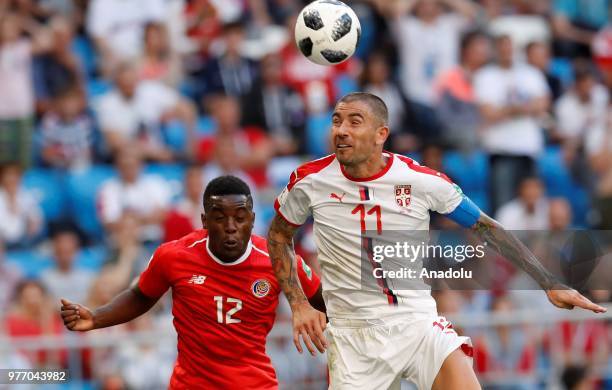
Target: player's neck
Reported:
point(368, 168)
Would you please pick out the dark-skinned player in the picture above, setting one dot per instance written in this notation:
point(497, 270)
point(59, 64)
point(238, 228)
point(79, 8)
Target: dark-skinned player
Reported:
point(224, 296)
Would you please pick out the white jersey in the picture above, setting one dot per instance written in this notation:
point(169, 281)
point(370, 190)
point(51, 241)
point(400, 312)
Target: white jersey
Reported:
point(398, 198)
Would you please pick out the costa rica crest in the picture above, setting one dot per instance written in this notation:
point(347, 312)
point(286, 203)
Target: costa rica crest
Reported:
point(403, 193)
point(260, 288)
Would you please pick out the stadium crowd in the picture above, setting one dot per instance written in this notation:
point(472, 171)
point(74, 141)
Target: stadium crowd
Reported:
point(114, 114)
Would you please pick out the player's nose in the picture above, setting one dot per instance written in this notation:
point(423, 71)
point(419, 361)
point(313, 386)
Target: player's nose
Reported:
point(231, 226)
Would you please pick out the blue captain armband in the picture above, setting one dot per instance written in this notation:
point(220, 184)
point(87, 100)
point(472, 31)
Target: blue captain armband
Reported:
point(465, 214)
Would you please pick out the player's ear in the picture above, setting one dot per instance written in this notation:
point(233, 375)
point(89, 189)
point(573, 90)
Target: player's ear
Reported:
point(382, 133)
point(203, 217)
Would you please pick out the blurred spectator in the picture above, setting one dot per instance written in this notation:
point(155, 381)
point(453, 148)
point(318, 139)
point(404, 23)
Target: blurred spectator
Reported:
point(143, 365)
point(128, 257)
point(66, 280)
point(21, 219)
point(559, 215)
point(431, 156)
point(117, 27)
point(159, 61)
point(229, 73)
point(538, 56)
point(316, 83)
point(599, 151)
point(203, 24)
point(17, 97)
point(456, 102)
point(234, 148)
point(10, 275)
point(512, 135)
point(276, 108)
point(34, 314)
point(66, 133)
point(145, 196)
point(58, 70)
point(187, 214)
point(376, 78)
point(529, 211)
point(65, 8)
point(581, 112)
point(524, 21)
point(135, 111)
point(575, 23)
point(505, 349)
point(523, 290)
point(428, 44)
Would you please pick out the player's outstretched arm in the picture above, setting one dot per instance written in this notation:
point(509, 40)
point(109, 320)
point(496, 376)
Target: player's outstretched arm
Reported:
point(506, 244)
point(307, 322)
point(126, 306)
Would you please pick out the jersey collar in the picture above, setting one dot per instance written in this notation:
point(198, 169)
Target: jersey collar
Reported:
point(239, 260)
point(374, 177)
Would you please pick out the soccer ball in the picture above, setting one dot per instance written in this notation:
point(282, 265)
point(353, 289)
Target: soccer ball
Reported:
point(327, 32)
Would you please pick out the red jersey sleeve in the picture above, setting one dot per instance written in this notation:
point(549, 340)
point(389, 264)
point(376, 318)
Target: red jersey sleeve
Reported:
point(153, 281)
point(309, 280)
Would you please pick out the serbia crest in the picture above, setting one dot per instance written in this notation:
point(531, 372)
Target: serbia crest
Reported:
point(402, 195)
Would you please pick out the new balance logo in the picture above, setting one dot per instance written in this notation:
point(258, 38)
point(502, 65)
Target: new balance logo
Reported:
point(197, 279)
point(336, 196)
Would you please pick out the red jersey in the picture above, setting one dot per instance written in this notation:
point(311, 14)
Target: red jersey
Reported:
point(222, 312)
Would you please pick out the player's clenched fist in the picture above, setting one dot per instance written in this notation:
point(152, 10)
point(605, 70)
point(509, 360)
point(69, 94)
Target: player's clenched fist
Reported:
point(76, 317)
point(309, 324)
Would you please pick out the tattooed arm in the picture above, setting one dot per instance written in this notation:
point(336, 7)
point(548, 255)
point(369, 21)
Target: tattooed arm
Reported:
point(307, 322)
point(507, 245)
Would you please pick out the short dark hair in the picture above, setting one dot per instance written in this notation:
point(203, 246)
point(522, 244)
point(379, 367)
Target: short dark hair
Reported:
point(583, 70)
point(470, 37)
point(533, 44)
point(225, 185)
point(376, 104)
point(573, 375)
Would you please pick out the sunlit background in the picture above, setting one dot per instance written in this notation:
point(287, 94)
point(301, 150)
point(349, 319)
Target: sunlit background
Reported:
point(114, 114)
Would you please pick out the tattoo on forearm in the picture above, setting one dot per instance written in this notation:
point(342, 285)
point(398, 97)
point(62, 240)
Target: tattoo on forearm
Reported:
point(282, 255)
point(506, 244)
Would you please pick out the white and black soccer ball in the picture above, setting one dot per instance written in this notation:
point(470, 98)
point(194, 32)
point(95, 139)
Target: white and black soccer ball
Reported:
point(327, 32)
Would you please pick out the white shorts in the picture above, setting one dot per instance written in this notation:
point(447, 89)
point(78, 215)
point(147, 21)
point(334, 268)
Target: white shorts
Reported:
point(377, 354)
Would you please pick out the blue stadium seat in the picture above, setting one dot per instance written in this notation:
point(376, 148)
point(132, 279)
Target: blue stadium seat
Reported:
point(97, 87)
point(174, 174)
point(563, 69)
point(48, 186)
point(175, 135)
point(345, 84)
point(83, 189)
point(280, 168)
point(559, 182)
point(470, 171)
point(30, 262)
point(317, 134)
point(92, 258)
point(206, 125)
point(84, 50)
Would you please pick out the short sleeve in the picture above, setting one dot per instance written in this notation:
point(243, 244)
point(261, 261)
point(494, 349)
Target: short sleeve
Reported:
point(536, 83)
point(443, 195)
point(293, 204)
point(160, 193)
point(308, 279)
point(153, 281)
point(482, 88)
